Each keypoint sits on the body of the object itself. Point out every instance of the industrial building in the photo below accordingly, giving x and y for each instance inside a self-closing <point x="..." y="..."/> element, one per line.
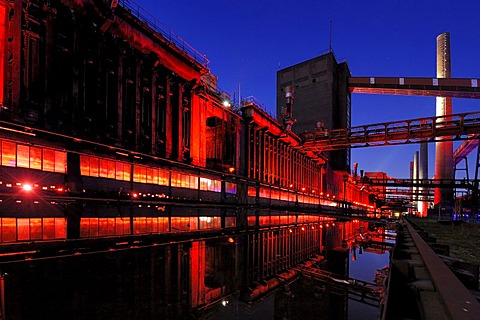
<point x="322" y="100"/>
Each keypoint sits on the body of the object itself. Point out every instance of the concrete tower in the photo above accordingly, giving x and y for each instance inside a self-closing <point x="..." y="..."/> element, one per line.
<point x="443" y="150"/>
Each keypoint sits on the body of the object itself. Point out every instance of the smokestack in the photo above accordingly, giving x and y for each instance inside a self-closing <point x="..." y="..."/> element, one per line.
<point x="423" y="174"/>
<point x="443" y="150"/>
<point x="415" y="175"/>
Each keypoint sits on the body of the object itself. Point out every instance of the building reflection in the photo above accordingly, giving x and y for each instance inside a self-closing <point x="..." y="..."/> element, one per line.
<point x="193" y="263"/>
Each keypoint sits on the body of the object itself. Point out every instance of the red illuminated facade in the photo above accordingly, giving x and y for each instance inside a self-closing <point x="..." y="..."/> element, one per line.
<point x="99" y="105"/>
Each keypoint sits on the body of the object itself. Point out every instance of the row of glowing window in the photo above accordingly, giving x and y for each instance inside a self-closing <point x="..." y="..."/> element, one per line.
<point x="105" y="168"/>
<point x="34" y="229"/>
<point x="102" y="227"/>
<point x="287" y="196"/>
<point x="31" y="229"/>
<point x="22" y="156"/>
<point x="283" y="219"/>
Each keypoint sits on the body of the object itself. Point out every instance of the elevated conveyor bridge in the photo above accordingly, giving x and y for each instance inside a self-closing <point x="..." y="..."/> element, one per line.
<point x="433" y="87"/>
<point x="461" y="126"/>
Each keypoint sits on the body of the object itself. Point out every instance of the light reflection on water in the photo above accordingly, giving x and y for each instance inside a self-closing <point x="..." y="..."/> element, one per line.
<point x="363" y="267"/>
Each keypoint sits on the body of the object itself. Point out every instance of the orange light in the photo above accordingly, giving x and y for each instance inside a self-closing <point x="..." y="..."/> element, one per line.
<point x="135" y="195"/>
<point x="231" y="169"/>
<point x="27" y="187"/>
<point x="303" y="189"/>
<point x="313" y="227"/>
<point x="303" y="228"/>
<point x="230" y="240"/>
<point x="333" y="224"/>
<point x="328" y="225"/>
<point x="321" y="226"/>
<point x="313" y="191"/>
<point x="290" y="230"/>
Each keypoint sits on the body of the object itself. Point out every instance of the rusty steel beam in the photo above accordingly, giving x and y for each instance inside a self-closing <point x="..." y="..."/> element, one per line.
<point x="432" y="87"/>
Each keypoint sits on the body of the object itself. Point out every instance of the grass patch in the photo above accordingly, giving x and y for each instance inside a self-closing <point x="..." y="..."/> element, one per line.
<point x="462" y="238"/>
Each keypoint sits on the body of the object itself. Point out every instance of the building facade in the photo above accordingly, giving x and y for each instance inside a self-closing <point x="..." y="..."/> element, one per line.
<point x="322" y="99"/>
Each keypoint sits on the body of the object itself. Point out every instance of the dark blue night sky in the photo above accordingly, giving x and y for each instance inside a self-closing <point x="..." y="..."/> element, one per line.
<point x="248" y="41"/>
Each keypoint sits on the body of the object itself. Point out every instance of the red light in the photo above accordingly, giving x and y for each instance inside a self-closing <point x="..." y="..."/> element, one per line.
<point x="60" y="189"/>
<point x="135" y="195"/>
<point x="303" y="189"/>
<point x="328" y="225"/>
<point x="27" y="187"/>
<point x="291" y="185"/>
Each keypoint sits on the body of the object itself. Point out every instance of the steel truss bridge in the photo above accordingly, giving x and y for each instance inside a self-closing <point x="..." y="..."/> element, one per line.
<point x="460" y="126"/>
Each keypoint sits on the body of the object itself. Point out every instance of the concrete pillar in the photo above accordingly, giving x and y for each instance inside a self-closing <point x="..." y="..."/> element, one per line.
<point x="444" y="150"/>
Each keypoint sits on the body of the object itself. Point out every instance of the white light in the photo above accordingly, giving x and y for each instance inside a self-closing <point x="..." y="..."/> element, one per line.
<point x="226" y="103"/>
<point x="224" y="303"/>
<point x="27" y="187"/>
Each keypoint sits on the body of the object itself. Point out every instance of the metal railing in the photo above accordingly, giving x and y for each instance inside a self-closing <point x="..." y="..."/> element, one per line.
<point x="153" y="23"/>
<point x="260" y="104"/>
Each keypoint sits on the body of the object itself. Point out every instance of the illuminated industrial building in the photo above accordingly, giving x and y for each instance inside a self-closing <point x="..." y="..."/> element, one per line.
<point x="99" y="104"/>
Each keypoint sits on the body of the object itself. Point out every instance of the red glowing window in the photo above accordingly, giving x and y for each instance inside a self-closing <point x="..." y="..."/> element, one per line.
<point x="84" y="227"/>
<point x="111" y="169"/>
<point x="23" y="229"/>
<point x="119" y="170"/>
<point x="122" y="226"/>
<point x="155" y="177"/>
<point x="48" y="160"/>
<point x="9" y="229"/>
<point x="36" y="229"/>
<point x="60" y="228"/>
<point x="149" y="175"/>
<point x="94" y="167"/>
<point x="93" y="227"/>
<point x="48" y="228"/>
<point x="127" y="168"/>
<point x="60" y="161"/>
<point x="139" y="225"/>
<point x="103" y="227"/>
<point x="103" y="168"/>
<point x="162" y="224"/>
<point x="163" y="177"/>
<point x="35" y="158"/>
<point x="23" y="157"/>
<point x="84" y="165"/>
<point x="9" y="154"/>
<point x="139" y="174"/>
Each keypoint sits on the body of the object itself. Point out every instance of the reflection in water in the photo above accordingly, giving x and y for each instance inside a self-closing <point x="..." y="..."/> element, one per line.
<point x="304" y="299"/>
<point x="244" y="273"/>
